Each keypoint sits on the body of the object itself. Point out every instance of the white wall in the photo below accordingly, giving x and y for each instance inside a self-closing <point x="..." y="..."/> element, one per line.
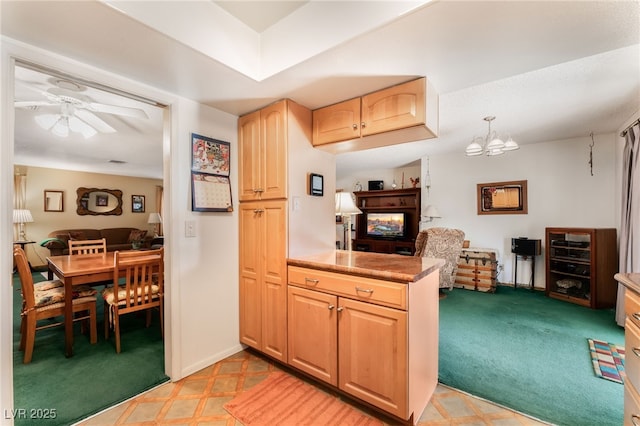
<point x="310" y="217"/>
<point x="561" y="193"/>
<point x="204" y="281"/>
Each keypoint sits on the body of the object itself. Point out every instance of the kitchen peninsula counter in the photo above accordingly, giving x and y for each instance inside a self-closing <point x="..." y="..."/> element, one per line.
<point x="392" y="267"/>
<point x="353" y="313"/>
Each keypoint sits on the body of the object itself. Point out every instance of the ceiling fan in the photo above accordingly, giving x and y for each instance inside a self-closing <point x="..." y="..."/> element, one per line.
<point x="76" y="111"/>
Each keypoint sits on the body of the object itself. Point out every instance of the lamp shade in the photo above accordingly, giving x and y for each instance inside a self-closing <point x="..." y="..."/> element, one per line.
<point x="154" y="218"/>
<point x="431" y="211"/>
<point x="22" y="216"/>
<point x="345" y="205"/>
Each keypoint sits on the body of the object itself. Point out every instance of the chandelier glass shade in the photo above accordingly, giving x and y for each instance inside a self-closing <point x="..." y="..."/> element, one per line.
<point x="491" y="144"/>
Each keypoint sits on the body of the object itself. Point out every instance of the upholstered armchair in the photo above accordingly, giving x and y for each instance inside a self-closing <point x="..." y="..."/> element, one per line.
<point x="442" y="243"/>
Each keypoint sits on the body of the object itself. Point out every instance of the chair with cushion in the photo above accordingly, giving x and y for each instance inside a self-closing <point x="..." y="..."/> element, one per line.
<point x="45" y="300"/>
<point x="138" y="285"/>
<point x="442" y="243"/>
<point x="87" y="246"/>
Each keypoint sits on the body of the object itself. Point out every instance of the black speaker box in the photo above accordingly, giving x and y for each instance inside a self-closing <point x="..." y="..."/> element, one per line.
<point x="525" y="247"/>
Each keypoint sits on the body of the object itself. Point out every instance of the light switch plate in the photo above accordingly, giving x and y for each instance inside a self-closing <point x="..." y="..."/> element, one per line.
<point x="190" y="228"/>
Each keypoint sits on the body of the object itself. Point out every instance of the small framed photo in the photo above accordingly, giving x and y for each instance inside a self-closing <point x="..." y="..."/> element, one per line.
<point x="137" y="203"/>
<point x="316" y="184"/>
<point x="102" y="200"/>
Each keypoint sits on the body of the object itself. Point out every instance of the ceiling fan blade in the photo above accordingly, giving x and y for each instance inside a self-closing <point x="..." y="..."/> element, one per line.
<point x="47" y="121"/>
<point x="32" y="104"/>
<point x="118" y="110"/>
<point x="94" y="121"/>
<point x="79" y="126"/>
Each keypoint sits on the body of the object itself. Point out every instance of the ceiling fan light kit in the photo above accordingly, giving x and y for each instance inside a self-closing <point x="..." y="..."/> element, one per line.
<point x="77" y="112"/>
<point x="491" y="145"/>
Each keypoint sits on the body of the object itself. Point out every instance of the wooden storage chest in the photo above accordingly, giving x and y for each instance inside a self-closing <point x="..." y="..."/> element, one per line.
<point x="477" y="270"/>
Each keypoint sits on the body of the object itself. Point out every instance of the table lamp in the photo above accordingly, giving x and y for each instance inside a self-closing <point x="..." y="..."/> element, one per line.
<point x="155" y="219"/>
<point x="346" y="207"/>
<point x="22" y="216"/>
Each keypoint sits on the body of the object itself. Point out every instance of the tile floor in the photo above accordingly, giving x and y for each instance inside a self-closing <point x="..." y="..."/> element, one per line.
<point x="197" y="400"/>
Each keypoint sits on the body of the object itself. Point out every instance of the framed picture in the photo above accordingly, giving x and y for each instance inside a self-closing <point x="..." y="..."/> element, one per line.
<point x="502" y="197"/>
<point x="210" y="155"/>
<point x="102" y="200"/>
<point x="53" y="201"/>
<point x="137" y="203"/>
<point x="316" y="184"/>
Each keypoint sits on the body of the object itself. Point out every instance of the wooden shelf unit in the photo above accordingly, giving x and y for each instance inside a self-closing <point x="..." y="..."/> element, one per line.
<point x="580" y="265"/>
<point x="383" y="201"/>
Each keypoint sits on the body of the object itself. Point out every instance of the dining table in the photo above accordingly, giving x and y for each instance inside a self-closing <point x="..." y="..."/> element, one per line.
<point x="77" y="270"/>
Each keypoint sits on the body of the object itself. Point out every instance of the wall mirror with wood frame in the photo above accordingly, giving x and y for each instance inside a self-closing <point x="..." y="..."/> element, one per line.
<point x="502" y="197"/>
<point x="94" y="201"/>
<point x="53" y="200"/>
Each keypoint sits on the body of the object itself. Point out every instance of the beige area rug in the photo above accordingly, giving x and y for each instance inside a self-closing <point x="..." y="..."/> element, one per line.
<point x="282" y="399"/>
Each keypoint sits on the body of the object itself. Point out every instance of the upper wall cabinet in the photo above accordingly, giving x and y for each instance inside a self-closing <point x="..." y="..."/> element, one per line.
<point x="398" y="114"/>
<point x="262" y="138"/>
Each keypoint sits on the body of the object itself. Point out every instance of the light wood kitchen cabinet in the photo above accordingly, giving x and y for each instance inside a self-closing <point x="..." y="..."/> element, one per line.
<point x="353" y="333"/>
<point x="404" y="106"/>
<point x="338" y="122"/>
<point x="372" y="355"/>
<point x="262" y="140"/>
<point x="631" y="281"/>
<point x="313" y="333"/>
<point x="263" y="277"/>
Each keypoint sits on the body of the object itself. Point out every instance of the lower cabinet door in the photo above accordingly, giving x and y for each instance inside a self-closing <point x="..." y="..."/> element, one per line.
<point x="312" y="333"/>
<point x="631" y="406"/>
<point x="373" y="356"/>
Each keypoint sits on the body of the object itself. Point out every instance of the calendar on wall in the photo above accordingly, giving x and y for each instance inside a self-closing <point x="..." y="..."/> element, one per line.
<point x="210" y="184"/>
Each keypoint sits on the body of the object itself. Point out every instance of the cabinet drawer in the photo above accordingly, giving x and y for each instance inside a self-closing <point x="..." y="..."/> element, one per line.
<point x="632" y="306"/>
<point x="631" y="406"/>
<point x="366" y="289"/>
<point x="632" y="352"/>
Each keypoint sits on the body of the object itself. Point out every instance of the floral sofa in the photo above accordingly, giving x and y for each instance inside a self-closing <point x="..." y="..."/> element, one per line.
<point x="117" y="238"/>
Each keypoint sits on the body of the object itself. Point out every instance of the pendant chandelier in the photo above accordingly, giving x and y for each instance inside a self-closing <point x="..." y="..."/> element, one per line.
<point x="491" y="144"/>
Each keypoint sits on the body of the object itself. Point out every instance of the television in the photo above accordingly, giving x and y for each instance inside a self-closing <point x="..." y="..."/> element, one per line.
<point x="386" y="225"/>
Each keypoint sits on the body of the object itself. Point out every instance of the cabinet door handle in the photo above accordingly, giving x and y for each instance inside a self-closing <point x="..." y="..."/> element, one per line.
<point x="636" y="316"/>
<point x="259" y="190"/>
<point x="331" y="307"/>
<point x="635" y="419"/>
<point x="636" y="351"/>
<point x="363" y="124"/>
<point x="258" y="211"/>
<point x="355" y="126"/>
<point x="340" y="309"/>
<point x="364" y="290"/>
<point x="311" y="281"/>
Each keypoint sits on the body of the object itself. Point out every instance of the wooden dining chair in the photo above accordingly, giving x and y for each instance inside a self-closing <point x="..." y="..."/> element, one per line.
<point x="138" y="284"/>
<point x="87" y="246"/>
<point x="45" y="300"/>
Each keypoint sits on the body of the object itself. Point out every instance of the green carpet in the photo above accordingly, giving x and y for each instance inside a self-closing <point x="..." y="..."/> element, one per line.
<point x="529" y="352"/>
<point x="94" y="378"/>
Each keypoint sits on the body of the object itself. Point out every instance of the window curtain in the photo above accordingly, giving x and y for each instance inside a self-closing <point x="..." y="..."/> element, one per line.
<point x="19" y="198"/>
<point x="630" y="222"/>
<point x="159" y="203"/>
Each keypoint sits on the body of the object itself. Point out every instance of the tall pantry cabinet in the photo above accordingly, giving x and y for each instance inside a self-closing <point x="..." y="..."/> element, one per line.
<point x="268" y="139"/>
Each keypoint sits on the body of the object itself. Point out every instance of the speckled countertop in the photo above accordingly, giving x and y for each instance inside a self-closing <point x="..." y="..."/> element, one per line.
<point x="630" y="280"/>
<point x="390" y="267"/>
